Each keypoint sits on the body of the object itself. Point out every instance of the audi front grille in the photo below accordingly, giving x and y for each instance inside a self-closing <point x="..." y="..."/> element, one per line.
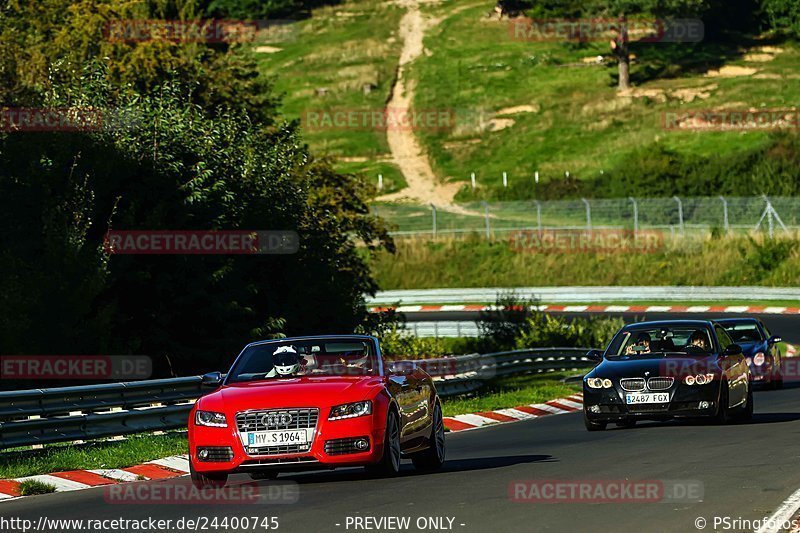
<point x="271" y="420"/>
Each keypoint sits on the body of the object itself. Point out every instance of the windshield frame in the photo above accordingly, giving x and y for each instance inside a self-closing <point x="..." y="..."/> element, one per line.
<point x="374" y="346"/>
<point x="614" y="351"/>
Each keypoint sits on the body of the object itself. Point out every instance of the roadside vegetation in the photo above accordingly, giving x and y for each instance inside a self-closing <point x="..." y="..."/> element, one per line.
<point x="475" y="262"/>
<point x="197" y="144"/>
<point x="32" y="487"/>
<point x="131" y="451"/>
<point x="512" y="391"/>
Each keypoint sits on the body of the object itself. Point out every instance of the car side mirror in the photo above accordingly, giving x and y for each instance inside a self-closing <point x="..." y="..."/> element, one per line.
<point x="596" y="356"/>
<point x="732" y="349"/>
<point x="774" y="340"/>
<point x="402" y="368"/>
<point x="212" y="379"/>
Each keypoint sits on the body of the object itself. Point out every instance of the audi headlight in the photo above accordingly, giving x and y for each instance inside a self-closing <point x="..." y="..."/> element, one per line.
<point x="211" y="419"/>
<point x="351" y="410"/>
<point x="759" y="359"/>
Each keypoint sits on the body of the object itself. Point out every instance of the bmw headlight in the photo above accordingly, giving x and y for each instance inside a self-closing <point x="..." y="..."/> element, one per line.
<point x="351" y="410"/>
<point x="211" y="419"/>
<point x="598" y="383"/>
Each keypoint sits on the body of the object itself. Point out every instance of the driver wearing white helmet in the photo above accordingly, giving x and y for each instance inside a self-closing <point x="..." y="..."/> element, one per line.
<point x="285" y="363"/>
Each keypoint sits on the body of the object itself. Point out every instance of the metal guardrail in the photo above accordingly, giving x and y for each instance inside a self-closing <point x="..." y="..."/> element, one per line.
<point x="453" y="329"/>
<point x="585" y="294"/>
<point x="41" y="416"/>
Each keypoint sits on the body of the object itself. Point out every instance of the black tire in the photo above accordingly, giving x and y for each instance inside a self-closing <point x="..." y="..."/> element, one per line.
<point x="746" y="414"/>
<point x="593" y="426"/>
<point x="389" y="464"/>
<point x="433" y="457"/>
<point x="268" y="474"/>
<point x="202" y="481"/>
<point x="723" y="415"/>
<point x="629" y="423"/>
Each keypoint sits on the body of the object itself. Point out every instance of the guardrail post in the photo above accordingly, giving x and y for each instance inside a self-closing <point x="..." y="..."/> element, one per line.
<point x="588" y="214"/>
<point x="725" y="214"/>
<point x="472" y="178"/>
<point x="505" y="179"/>
<point x="680" y="214"/>
<point x="487" y="222"/>
<point x="635" y="217"/>
<point x="538" y="216"/>
<point x="433" y="211"/>
<point x="380" y="182"/>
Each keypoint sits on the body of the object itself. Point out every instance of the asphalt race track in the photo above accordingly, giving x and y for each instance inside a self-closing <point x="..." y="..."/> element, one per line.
<point x="787" y="326"/>
<point x="744" y="471"/>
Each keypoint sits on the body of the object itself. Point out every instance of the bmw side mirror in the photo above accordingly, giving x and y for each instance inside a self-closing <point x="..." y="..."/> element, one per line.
<point x="212" y="379"/>
<point x="596" y="356"/>
<point x="733" y="349"/>
<point x="774" y="339"/>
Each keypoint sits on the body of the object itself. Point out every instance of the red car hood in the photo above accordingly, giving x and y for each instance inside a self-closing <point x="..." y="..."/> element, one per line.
<point x="314" y="391"/>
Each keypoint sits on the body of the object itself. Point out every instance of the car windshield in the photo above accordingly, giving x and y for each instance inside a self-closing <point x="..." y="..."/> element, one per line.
<point x="643" y="342"/>
<point x="290" y="359"/>
<point x="744" y="332"/>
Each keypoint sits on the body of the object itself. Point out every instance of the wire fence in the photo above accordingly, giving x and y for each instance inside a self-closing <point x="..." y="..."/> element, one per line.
<point x="772" y="216"/>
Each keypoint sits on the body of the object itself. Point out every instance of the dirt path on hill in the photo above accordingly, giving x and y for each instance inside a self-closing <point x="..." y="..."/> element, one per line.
<point x="422" y="184"/>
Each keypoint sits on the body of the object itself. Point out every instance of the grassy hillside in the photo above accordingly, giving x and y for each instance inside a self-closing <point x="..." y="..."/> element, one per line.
<point x="323" y="63"/>
<point x="520" y="106"/>
<point x="574" y="120"/>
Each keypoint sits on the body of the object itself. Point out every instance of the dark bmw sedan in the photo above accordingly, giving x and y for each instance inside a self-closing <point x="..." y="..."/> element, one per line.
<point x="760" y="349"/>
<point x="668" y="369"/>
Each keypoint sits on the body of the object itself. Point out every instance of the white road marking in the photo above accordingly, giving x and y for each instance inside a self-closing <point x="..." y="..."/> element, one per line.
<point x="737" y="309"/>
<point x="513" y="413"/>
<point x="474" y="420"/>
<point x="116" y="474"/>
<point x="176" y="462"/>
<point x="570" y="403"/>
<point x="549" y="408"/>
<point x="784" y="514"/>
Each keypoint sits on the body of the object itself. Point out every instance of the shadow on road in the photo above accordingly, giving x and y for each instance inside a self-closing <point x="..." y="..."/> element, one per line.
<point x="407" y="470"/>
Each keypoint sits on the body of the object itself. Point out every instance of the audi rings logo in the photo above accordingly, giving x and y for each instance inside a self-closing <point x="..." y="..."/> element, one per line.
<point x="277" y="419"/>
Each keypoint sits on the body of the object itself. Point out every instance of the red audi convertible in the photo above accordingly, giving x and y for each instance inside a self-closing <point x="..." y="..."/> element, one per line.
<point x="314" y="402"/>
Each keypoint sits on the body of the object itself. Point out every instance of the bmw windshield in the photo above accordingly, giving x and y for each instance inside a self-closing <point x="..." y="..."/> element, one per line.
<point x="323" y="357"/>
<point x="646" y="342"/>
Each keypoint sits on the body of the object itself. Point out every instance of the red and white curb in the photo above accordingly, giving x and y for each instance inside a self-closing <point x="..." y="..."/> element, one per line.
<point x="732" y="309"/>
<point x="523" y="412"/>
<point x="166" y="468"/>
